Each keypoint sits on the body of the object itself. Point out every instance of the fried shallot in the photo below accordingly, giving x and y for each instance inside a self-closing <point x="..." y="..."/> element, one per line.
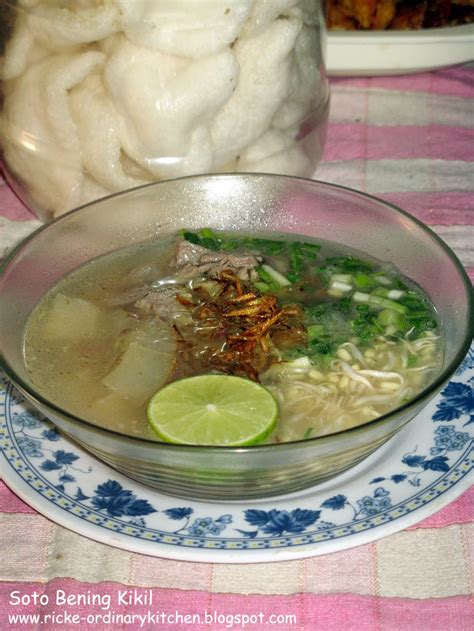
<point x="244" y="322"/>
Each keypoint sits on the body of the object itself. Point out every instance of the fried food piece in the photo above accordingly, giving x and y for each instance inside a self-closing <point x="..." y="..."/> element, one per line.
<point x="362" y="10"/>
<point x="384" y="14"/>
<point x="361" y="14"/>
<point x="338" y="19"/>
<point x="410" y="16"/>
<point x="398" y="14"/>
<point x="437" y="13"/>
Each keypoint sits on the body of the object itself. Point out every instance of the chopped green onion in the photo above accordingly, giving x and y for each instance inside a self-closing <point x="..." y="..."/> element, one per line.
<point x="267" y="279"/>
<point x="399" y="284"/>
<point x="315" y="330"/>
<point x="266" y="246"/>
<point x="389" y="317"/>
<point x="383" y="280"/>
<point x="359" y="296"/>
<point x="296" y="259"/>
<point x="395" y="294"/>
<point x="207" y="233"/>
<point x="362" y="281"/>
<point x="191" y="237"/>
<point x="335" y="293"/>
<point x="344" y="305"/>
<point x="310" y="250"/>
<point x="262" y="286"/>
<point x="422" y="322"/>
<point x="343" y="278"/>
<point x="349" y="264"/>
<point x="386" y="303"/>
<point x="366" y="326"/>
<point x="209" y="239"/>
<point x="380" y="291"/>
<point x="276" y="276"/>
<point x="323" y="348"/>
<point x="344" y="287"/>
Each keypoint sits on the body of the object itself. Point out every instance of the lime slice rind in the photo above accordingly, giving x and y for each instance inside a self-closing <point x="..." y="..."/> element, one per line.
<point x="213" y="410"/>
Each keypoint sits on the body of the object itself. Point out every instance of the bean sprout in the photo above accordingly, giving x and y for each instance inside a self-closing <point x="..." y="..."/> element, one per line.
<point x="381" y="374"/>
<point x="355" y="351"/>
<point x="354" y="375"/>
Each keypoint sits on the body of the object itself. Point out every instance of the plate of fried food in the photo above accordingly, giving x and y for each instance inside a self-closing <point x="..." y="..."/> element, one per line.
<point x="381" y="37"/>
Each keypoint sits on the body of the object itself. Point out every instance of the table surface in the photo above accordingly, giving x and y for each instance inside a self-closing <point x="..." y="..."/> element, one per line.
<point x="410" y="141"/>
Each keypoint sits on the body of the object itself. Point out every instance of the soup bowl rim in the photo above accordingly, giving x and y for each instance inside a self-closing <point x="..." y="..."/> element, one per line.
<point x="421" y="399"/>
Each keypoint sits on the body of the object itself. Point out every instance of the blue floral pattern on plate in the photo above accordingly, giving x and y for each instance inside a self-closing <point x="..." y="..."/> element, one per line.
<point x="430" y="460"/>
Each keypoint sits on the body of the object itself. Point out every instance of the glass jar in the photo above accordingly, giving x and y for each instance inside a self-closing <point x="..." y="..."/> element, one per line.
<point x="112" y="94"/>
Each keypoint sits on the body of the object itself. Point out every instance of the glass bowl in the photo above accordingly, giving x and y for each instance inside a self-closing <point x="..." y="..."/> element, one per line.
<point x="102" y="96"/>
<point x="249" y="203"/>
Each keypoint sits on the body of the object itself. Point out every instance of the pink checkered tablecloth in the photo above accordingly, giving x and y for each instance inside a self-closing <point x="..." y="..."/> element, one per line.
<point x="408" y="140"/>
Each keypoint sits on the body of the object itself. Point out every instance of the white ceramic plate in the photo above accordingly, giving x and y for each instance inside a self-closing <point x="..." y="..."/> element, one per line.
<point x="398" y="52"/>
<point x="423" y="468"/>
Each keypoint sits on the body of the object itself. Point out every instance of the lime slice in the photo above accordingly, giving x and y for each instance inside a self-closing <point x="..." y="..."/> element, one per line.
<point x="214" y="410"/>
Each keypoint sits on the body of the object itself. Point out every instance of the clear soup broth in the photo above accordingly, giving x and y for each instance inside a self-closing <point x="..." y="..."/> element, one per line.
<point x="337" y="337"/>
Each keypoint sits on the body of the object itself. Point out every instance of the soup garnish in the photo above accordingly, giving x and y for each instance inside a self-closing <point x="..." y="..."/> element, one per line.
<point x="337" y="338"/>
<point x="213" y="410"/>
